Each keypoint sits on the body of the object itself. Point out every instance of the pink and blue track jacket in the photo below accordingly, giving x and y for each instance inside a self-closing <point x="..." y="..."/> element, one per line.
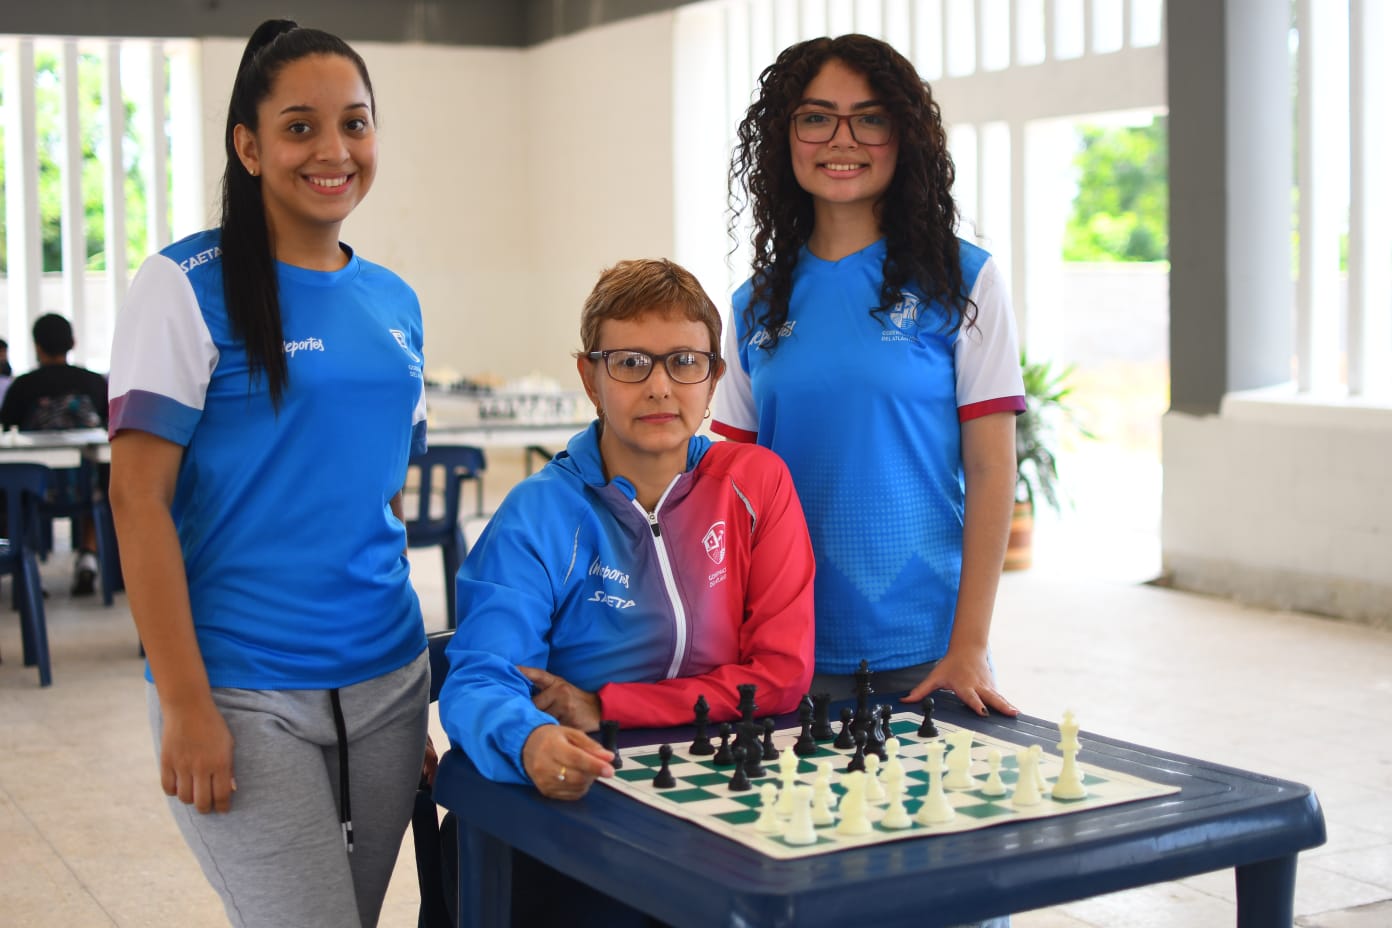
<point x="712" y="590"/>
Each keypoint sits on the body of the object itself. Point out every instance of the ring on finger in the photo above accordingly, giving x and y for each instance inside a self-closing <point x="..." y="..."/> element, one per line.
<point x="561" y="775"/>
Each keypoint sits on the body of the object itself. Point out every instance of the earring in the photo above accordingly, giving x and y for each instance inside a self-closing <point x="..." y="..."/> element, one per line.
<point x="707" y="415"/>
<point x="252" y="172"/>
<point x="599" y="413"/>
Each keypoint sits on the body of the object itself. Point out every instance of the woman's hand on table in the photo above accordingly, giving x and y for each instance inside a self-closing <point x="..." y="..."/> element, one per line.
<point x="970" y="678"/>
<point x="566" y="703"/>
<point x="563" y="761"/>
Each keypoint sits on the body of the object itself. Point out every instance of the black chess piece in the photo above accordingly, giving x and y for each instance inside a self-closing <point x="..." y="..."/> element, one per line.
<point x="927" y="729"/>
<point x="821" y="717"/>
<point x="806" y="745"/>
<point x="863" y="690"/>
<point x="702" y="745"/>
<point x="887" y="716"/>
<point x="609" y="737"/>
<point x="664" y="778"/>
<point x="770" y="752"/>
<point x="753" y="754"/>
<point x="747" y="706"/>
<point x="845" y="740"/>
<point x="858" y="758"/>
<point x="739" y="782"/>
<point x="723" y="757"/>
<point x="876" y="732"/>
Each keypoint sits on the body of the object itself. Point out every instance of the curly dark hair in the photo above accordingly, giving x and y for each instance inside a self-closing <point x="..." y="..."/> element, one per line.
<point x="917" y="214"/>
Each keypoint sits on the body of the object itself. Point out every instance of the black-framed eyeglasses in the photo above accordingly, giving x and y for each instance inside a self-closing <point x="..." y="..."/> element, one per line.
<point x="629" y="365"/>
<point x="866" y="128"/>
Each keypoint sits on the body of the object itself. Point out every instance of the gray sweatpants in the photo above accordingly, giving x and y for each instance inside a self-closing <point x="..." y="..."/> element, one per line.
<point x="278" y="857"/>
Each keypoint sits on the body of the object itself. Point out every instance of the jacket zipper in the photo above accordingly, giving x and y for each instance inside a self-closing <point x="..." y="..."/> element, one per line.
<point x="669" y="580"/>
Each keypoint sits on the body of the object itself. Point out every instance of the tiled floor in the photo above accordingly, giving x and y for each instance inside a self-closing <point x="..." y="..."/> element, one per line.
<point x="85" y="839"/>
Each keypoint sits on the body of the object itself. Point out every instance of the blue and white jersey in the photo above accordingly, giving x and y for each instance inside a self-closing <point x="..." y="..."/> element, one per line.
<point x="296" y="568"/>
<point x="866" y="410"/>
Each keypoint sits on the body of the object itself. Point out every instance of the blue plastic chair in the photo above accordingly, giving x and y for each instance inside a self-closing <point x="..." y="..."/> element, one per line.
<point x="81" y="494"/>
<point x="23" y="488"/>
<point x="446" y="467"/>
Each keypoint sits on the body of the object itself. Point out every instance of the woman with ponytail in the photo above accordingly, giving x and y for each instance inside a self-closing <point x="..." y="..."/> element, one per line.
<point x="266" y="395"/>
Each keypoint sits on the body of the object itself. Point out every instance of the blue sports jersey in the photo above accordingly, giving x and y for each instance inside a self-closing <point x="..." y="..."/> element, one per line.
<point x="866" y="411"/>
<point x="296" y="568"/>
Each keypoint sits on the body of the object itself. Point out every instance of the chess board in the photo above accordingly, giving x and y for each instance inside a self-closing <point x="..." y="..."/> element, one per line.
<point x="701" y="794"/>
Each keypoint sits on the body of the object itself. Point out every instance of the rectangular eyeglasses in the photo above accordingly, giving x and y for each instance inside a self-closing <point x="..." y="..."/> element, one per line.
<point x="628" y="365"/>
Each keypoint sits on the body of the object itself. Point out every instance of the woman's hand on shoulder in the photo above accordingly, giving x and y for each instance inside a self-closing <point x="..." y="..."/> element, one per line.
<point x="563" y="762"/>
<point x="567" y="703"/>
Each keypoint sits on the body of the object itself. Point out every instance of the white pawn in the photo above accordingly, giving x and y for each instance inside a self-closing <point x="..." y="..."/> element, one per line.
<point x="768" y="823"/>
<point x="823" y="782"/>
<point x="787" y="773"/>
<point x="853" y="818"/>
<point x="874" y="789"/>
<point x="896" y="816"/>
<point x="1026" y="783"/>
<point x="893" y="763"/>
<point x="994" y="785"/>
<point x="935" y="809"/>
<point x="823" y="801"/>
<point x="959" y="761"/>
<point x="800" y="827"/>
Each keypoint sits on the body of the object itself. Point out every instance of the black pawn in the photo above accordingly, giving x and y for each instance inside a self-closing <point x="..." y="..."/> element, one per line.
<point x="740" y="781"/>
<point x="821" y="717"/>
<point x="609" y="737"/>
<point x="858" y="759"/>
<point x="927" y="729"/>
<point x="806" y="745"/>
<point x="845" y="740"/>
<point x="664" y="778"/>
<point x="753" y="756"/>
<point x="770" y="752"/>
<point x="702" y="745"/>
<point x="723" y="757"/>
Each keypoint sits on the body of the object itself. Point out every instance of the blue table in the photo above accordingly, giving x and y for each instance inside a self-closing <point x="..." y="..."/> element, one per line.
<point x="689" y="876"/>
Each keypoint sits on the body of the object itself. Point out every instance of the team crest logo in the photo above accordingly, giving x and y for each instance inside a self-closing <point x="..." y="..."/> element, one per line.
<point x="904" y="315"/>
<point x="400" y="337"/>
<point x="714" y="542"/>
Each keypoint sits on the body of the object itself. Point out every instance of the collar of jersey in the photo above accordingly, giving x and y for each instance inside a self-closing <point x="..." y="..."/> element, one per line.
<point x="874" y="252"/>
<point x="304" y="275"/>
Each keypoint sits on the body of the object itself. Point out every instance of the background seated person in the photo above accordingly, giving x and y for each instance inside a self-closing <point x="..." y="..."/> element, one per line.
<point x="59" y="395"/>
<point x="643" y="567"/>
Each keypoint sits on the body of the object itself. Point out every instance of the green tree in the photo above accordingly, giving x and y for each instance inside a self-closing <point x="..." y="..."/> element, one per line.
<point x="48" y="123"/>
<point x="1121" y="212"/>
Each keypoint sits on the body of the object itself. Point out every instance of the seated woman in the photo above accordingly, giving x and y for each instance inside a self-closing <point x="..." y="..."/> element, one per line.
<point x="643" y="567"/>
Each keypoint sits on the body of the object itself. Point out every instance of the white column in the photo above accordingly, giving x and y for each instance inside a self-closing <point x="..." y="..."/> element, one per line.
<point x="74" y="230"/>
<point x="157" y="164"/>
<point x="114" y="179"/>
<point x="186" y="141"/>
<point x="1370" y="227"/>
<point x="23" y="242"/>
<point x="1320" y="96"/>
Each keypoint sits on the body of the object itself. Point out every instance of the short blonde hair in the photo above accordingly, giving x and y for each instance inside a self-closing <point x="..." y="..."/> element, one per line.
<point x="631" y="289"/>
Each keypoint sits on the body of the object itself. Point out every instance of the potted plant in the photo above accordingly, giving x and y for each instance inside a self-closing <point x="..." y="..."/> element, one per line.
<point x="1036" y="464"/>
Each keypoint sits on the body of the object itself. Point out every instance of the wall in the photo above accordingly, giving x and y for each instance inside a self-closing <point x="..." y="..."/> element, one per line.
<point x="1282" y="503"/>
<point x="508" y="179"/>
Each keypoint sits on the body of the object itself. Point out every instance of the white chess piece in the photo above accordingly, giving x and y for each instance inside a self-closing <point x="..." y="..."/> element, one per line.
<point x="823" y="801"/>
<point x="874" y="789"/>
<point x="1026" y="783"/>
<point x="1069" y="784"/>
<point x="896" y="816"/>
<point x="853" y="818"/>
<point x="935" y="809"/>
<point x="893" y="763"/>
<point x="767" y="823"/>
<point x="824" y="770"/>
<point x="1039" y="781"/>
<point x="959" y="761"/>
<point x="787" y="774"/>
<point x="994" y="785"/>
<point x="800" y="827"/>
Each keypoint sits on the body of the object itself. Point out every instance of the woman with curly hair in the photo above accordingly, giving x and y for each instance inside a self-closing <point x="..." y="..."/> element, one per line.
<point x="876" y="353"/>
